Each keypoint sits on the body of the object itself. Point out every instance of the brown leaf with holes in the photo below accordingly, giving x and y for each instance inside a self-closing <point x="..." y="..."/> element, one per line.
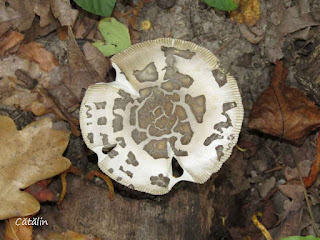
<point x="28" y="156"/>
<point x="36" y="52"/>
<point x="284" y="112"/>
<point x="18" y="231"/>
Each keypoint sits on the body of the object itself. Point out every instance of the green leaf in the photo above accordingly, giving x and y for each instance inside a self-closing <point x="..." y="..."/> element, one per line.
<point x="116" y="35"/>
<point x="98" y="7"/>
<point x="224" y="5"/>
<point x="301" y="238"/>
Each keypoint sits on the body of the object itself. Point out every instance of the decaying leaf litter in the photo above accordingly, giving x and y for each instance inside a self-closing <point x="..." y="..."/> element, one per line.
<point x="259" y="177"/>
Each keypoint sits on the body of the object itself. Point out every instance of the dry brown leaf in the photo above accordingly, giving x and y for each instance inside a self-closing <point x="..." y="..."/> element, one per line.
<point x="87" y="27"/>
<point x="62" y="10"/>
<point x="291" y="226"/>
<point x="281" y="23"/>
<point x="284" y="112"/>
<point x="70" y="235"/>
<point x="28" y="156"/>
<point x="46" y="104"/>
<point x="82" y="73"/>
<point x="20" y="97"/>
<point x="9" y="41"/>
<point x="25" y="8"/>
<point x="36" y="52"/>
<point x="43" y="10"/>
<point x="97" y="60"/>
<point x="248" y="12"/>
<point x="15" y="231"/>
<point x="68" y="82"/>
<point x="12" y="90"/>
<point x="295" y="20"/>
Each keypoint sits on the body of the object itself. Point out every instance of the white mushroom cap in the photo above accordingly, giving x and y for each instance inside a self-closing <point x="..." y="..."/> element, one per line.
<point x="170" y="99"/>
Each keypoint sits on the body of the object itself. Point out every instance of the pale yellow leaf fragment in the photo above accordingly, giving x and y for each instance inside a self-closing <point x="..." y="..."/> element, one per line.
<point x="26" y="157"/>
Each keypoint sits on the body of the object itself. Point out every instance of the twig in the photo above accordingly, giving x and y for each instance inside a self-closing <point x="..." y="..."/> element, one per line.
<point x="262" y="228"/>
<point x="307" y="199"/>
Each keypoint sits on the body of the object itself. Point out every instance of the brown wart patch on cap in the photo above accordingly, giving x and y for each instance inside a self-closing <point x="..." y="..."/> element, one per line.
<point x="113" y="153"/>
<point x="187" y="54"/>
<point x="138" y="136"/>
<point x="160" y="180"/>
<point x="185" y="129"/>
<point x="145" y="93"/>
<point x="102" y="121"/>
<point x="157" y="148"/>
<point x="105" y="140"/>
<point x="133" y="115"/>
<point x="175" y="79"/>
<point x="122" y="102"/>
<point x="118" y="179"/>
<point x="117" y="123"/>
<point x="197" y="106"/>
<point x="121" y="142"/>
<point x="132" y="159"/>
<point x="90" y="137"/>
<point x="180" y="112"/>
<point x="212" y="138"/>
<point x="100" y="105"/>
<point x="229" y="105"/>
<point x="154" y="131"/>
<point x="219" y="77"/>
<point x="219" y="150"/>
<point x="228" y="123"/>
<point x="130" y="174"/>
<point x="89" y="115"/>
<point x="148" y="74"/>
<point x="177" y="152"/>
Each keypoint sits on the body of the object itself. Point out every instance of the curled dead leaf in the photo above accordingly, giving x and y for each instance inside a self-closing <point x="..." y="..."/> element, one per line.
<point x="284" y="112"/>
<point x="9" y="41"/>
<point x="36" y="52"/>
<point x="28" y="156"/>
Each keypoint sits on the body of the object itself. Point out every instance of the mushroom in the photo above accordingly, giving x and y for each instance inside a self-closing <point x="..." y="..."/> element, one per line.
<point x="170" y="100"/>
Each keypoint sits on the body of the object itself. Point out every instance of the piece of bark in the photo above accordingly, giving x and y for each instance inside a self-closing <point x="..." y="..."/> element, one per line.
<point x="308" y="75"/>
<point x="184" y="213"/>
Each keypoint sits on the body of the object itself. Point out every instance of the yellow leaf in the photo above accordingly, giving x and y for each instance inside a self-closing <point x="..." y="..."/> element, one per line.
<point x="248" y="12"/>
<point x="26" y="157"/>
